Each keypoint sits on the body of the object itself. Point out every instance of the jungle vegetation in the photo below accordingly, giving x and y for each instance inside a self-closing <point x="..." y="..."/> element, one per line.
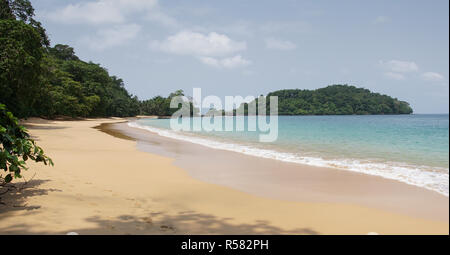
<point x="335" y="100"/>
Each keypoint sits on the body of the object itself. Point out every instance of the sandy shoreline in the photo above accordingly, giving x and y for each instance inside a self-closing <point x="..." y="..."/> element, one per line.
<point x="288" y="181"/>
<point x="102" y="184"/>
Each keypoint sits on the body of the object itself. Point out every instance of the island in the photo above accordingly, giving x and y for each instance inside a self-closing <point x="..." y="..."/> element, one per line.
<point x="334" y="100"/>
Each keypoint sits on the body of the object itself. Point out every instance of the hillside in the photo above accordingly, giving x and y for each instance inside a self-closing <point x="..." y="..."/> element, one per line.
<point x="39" y="80"/>
<point x="337" y="100"/>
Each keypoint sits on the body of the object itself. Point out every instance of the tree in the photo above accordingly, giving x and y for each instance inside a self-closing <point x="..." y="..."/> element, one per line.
<point x="160" y="106"/>
<point x="5" y="10"/>
<point x="21" y="54"/>
<point x="76" y="88"/>
<point x="63" y="52"/>
<point x="16" y="147"/>
<point x="23" y="10"/>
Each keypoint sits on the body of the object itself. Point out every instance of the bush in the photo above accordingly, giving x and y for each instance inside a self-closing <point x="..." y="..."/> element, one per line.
<point x="16" y="147"/>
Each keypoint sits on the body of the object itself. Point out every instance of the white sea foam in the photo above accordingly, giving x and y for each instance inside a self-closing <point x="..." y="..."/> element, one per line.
<point x="435" y="178"/>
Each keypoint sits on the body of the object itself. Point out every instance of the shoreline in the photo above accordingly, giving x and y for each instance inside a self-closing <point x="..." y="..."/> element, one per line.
<point x="106" y="185"/>
<point x="288" y="181"/>
<point x="431" y="177"/>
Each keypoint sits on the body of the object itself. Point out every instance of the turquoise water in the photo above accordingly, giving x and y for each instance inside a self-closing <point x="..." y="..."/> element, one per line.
<point x="408" y="148"/>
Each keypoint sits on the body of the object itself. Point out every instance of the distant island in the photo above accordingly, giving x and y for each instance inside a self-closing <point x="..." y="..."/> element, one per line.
<point x="335" y="100"/>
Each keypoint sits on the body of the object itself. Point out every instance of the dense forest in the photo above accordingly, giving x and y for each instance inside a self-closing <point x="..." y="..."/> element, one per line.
<point x="39" y="80"/>
<point x="76" y="88"/>
<point x="335" y="100"/>
<point x="160" y="106"/>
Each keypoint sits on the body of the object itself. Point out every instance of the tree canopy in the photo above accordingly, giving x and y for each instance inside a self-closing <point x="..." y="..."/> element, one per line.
<point x="22" y="10"/>
<point x="21" y="55"/>
<point x="76" y="88"/>
<point x="39" y="80"/>
<point x="160" y="106"/>
<point x="335" y="100"/>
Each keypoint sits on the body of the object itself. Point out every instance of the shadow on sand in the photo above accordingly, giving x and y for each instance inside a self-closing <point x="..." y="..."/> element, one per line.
<point x="187" y="222"/>
<point x="13" y="196"/>
<point x="181" y="224"/>
<point x="31" y="127"/>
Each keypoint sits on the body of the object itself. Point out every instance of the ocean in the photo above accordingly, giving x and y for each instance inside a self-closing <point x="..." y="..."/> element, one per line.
<point x="413" y="149"/>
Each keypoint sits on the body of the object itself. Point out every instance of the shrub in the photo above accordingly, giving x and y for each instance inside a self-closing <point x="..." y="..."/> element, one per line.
<point x="16" y="147"/>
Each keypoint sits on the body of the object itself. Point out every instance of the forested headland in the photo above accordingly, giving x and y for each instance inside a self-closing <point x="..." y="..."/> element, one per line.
<point x="334" y="100"/>
<point x="39" y="80"/>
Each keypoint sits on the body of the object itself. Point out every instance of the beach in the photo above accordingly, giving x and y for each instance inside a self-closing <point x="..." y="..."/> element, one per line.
<point x="110" y="178"/>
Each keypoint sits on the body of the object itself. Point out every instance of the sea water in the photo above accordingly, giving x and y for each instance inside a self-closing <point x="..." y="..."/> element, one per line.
<point x="409" y="148"/>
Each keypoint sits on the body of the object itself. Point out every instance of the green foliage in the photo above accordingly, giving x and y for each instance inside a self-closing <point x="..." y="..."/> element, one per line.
<point x="63" y="52"/>
<point x="336" y="100"/>
<point x="16" y="147"/>
<point x="5" y="10"/>
<point x="38" y="80"/>
<point x="80" y="89"/>
<point x="160" y="106"/>
<point x="22" y="10"/>
<point x="21" y="54"/>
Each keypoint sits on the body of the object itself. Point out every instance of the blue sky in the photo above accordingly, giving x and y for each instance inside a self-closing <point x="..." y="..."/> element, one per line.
<point x="238" y="47"/>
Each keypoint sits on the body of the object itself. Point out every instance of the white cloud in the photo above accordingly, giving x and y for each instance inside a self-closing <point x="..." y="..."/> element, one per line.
<point x="381" y="19"/>
<point x="91" y="12"/>
<point x="432" y="76"/>
<point x="229" y="63"/>
<point x="211" y="49"/>
<point x="395" y="76"/>
<point x="100" y="11"/>
<point x="112" y="37"/>
<point x="399" y="66"/>
<point x="197" y="44"/>
<point x="275" y="44"/>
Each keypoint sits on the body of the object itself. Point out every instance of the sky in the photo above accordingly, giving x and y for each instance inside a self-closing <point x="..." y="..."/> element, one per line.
<point x="242" y="47"/>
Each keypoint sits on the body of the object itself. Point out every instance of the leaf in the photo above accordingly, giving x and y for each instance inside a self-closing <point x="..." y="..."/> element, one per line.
<point x="13" y="168"/>
<point x="8" y="178"/>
